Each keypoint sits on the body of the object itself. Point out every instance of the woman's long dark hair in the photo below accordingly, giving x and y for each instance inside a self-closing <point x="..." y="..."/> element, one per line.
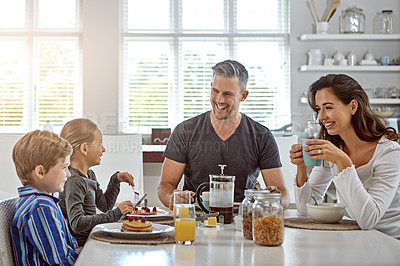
<point x="367" y="125"/>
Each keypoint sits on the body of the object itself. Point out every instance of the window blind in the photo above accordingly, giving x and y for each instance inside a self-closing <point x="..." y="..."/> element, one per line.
<point x="40" y="66"/>
<point x="12" y="84"/>
<point x="166" y="67"/>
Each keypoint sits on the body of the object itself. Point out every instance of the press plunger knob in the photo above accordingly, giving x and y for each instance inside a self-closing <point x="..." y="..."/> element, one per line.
<point x="222" y="168"/>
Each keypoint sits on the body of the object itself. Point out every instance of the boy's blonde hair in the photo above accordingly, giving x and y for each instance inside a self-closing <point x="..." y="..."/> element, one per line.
<point x="38" y="148"/>
<point x="79" y="131"/>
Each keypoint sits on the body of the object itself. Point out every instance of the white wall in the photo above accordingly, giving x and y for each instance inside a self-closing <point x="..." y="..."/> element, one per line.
<point x="100" y="62"/>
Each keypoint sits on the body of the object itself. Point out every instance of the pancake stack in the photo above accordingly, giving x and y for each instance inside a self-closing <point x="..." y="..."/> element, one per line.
<point x="145" y="211"/>
<point x="137" y="225"/>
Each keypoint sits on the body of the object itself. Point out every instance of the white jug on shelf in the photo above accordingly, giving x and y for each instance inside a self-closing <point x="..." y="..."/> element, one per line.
<point x="316" y="57"/>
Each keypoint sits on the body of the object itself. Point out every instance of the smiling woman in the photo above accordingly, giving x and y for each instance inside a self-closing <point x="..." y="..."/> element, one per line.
<point x="360" y="154"/>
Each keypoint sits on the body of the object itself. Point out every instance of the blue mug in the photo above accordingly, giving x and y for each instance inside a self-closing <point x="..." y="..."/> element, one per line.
<point x="307" y="158"/>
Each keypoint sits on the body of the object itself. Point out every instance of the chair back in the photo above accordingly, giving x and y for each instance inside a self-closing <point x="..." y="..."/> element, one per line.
<point x="7" y="211"/>
<point x="289" y="170"/>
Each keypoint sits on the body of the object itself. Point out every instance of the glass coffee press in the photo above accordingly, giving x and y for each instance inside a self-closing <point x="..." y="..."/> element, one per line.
<point x="222" y="189"/>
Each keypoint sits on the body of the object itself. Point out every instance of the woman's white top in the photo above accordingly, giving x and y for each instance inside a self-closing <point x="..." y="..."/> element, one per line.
<point x="371" y="192"/>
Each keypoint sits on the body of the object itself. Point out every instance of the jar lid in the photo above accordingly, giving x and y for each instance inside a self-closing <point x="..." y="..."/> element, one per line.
<point x="353" y="8"/>
<point x="387" y="11"/>
<point x="268" y="196"/>
<point x="252" y="192"/>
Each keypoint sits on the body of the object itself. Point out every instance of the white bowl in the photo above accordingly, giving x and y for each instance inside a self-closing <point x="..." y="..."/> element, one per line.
<point x="329" y="213"/>
<point x="384" y="111"/>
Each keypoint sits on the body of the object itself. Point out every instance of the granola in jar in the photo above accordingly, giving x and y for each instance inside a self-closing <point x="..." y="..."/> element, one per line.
<point x="246" y="211"/>
<point x="268" y="220"/>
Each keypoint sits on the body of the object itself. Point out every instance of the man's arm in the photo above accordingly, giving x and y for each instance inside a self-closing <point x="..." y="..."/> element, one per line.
<point x="274" y="177"/>
<point x="171" y="174"/>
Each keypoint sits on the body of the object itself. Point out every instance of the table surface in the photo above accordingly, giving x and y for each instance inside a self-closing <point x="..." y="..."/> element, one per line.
<point x="226" y="246"/>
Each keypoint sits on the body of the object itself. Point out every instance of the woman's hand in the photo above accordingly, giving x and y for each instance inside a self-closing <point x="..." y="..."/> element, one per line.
<point x="325" y="150"/>
<point x="125" y="207"/>
<point x="126" y="177"/>
<point x="296" y="155"/>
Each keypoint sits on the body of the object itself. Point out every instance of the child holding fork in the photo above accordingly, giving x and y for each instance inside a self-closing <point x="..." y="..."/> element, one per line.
<point x="82" y="193"/>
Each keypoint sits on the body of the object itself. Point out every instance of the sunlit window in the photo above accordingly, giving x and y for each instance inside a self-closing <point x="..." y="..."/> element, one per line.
<point x="169" y="47"/>
<point x="40" y="66"/>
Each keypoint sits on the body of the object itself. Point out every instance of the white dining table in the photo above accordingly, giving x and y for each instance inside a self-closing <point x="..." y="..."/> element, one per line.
<point x="227" y="246"/>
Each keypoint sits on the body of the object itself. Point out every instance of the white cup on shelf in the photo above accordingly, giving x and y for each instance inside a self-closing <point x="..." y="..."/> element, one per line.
<point x="343" y="62"/>
<point x="329" y="61"/>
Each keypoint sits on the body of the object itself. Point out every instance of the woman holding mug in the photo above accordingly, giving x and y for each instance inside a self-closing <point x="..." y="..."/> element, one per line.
<point x="361" y="156"/>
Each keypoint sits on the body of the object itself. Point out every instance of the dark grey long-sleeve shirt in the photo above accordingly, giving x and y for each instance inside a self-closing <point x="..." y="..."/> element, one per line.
<point x="80" y="198"/>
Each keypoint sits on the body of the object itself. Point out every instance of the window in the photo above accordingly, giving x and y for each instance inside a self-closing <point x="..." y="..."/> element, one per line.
<point x="169" y="47"/>
<point x="40" y="65"/>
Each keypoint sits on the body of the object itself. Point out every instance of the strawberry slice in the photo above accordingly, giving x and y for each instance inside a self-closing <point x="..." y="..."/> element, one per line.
<point x="130" y="218"/>
<point x="143" y="220"/>
<point x="155" y="209"/>
<point x="136" y="218"/>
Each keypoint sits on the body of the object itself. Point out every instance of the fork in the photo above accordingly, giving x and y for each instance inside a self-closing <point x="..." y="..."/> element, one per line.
<point x="136" y="194"/>
<point x="135" y="199"/>
<point x="253" y="180"/>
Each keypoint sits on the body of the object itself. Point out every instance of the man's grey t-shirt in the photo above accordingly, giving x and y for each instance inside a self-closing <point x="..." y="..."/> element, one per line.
<point x="195" y="143"/>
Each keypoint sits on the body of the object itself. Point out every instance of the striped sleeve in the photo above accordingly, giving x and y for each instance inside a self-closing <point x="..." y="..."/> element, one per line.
<point x="46" y="234"/>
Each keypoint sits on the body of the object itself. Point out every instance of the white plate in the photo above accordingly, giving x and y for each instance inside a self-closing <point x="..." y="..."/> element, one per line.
<point x="211" y="226"/>
<point x="114" y="229"/>
<point x="368" y="63"/>
<point x="160" y="214"/>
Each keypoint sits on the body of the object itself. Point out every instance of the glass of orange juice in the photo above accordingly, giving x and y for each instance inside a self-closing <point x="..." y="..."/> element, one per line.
<point x="181" y="197"/>
<point x="185" y="224"/>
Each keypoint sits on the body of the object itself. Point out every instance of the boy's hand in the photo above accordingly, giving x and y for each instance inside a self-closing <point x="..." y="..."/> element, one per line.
<point x="126" y="207"/>
<point x="126" y="177"/>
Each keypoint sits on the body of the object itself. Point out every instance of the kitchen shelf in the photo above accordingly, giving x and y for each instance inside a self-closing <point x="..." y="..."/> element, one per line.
<point x="350" y="68"/>
<point x="376" y="101"/>
<point x="350" y="37"/>
<point x="384" y="101"/>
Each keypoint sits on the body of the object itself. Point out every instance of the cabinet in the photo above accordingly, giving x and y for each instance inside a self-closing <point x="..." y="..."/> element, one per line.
<point x="357" y="68"/>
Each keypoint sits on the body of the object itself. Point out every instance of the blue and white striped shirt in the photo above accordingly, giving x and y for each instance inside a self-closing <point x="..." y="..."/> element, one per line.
<point x="39" y="231"/>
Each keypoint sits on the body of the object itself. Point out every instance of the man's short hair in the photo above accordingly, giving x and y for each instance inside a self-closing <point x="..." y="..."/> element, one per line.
<point x="231" y="69"/>
<point x="38" y="148"/>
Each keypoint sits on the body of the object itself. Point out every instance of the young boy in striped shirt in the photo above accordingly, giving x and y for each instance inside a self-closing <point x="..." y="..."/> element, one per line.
<point x="39" y="231"/>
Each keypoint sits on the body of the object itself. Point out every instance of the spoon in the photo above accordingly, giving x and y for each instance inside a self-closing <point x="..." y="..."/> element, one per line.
<point x="315" y="10"/>
<point x="253" y="180"/>
<point x="334" y="6"/>
<point x="316" y="203"/>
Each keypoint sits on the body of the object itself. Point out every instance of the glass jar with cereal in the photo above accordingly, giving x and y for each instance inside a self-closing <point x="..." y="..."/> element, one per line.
<point x="267" y="219"/>
<point x="246" y="211"/>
